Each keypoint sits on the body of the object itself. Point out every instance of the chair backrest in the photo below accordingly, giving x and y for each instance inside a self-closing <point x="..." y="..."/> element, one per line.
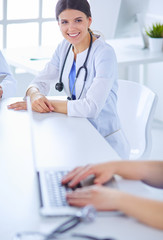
<point x="136" y="105"/>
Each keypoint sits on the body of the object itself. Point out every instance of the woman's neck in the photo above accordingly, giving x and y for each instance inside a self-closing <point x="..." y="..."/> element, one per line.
<point x="82" y="47"/>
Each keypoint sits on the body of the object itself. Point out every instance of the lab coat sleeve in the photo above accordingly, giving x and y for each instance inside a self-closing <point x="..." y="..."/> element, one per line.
<point x="48" y="76"/>
<point x="90" y="106"/>
<point x="9" y="83"/>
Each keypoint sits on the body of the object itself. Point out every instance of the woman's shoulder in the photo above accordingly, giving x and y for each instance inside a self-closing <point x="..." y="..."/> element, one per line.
<point x="64" y="43"/>
<point x="101" y="47"/>
<point x="60" y="50"/>
<point x="62" y="46"/>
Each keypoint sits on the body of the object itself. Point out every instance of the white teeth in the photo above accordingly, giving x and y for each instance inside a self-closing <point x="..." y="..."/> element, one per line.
<point x="73" y="35"/>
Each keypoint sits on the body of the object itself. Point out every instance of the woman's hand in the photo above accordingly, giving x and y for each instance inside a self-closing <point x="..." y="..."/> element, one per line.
<point x="18" y="106"/>
<point x="102" y="172"/>
<point x="40" y="103"/>
<point x="100" y="197"/>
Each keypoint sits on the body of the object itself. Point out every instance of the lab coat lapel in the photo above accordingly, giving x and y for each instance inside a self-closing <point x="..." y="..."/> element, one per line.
<point x="66" y="71"/>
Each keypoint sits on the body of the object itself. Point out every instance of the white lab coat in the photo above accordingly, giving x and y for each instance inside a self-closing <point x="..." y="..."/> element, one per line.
<point x="9" y="83"/>
<point x="98" y="100"/>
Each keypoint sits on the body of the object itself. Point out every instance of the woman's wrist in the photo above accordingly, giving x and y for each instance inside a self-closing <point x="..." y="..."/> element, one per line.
<point x="114" y="199"/>
<point x="31" y="91"/>
<point x="119" y="200"/>
<point x="113" y="167"/>
<point x="60" y="106"/>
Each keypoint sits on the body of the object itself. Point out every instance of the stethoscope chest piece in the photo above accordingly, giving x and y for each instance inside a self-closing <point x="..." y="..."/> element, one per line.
<point x="59" y="86"/>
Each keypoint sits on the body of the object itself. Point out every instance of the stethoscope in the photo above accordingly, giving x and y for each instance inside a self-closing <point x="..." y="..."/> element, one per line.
<point x="59" y="86"/>
<point x="86" y="214"/>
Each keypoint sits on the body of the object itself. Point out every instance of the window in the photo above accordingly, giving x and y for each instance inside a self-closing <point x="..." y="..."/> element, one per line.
<point x="48" y="8"/>
<point x="28" y="36"/>
<point x="51" y="34"/>
<point x="28" y="23"/>
<point x="22" y="9"/>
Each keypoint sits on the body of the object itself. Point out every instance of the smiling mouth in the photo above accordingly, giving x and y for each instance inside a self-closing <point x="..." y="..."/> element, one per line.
<point x="73" y="34"/>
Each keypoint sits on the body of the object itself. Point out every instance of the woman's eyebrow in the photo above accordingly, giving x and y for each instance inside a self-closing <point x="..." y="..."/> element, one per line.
<point x="64" y="19"/>
<point x="77" y="18"/>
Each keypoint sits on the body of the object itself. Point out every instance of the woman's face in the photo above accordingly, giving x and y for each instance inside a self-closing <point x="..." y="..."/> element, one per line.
<point x="74" y="26"/>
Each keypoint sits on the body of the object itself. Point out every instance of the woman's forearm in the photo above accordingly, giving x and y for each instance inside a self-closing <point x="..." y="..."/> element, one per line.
<point x="59" y="106"/>
<point x="154" y="174"/>
<point x="150" y="172"/>
<point x="133" y="170"/>
<point x="147" y="211"/>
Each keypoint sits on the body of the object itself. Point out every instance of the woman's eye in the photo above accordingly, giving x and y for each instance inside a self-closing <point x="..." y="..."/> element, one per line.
<point x="78" y="20"/>
<point x="63" y="22"/>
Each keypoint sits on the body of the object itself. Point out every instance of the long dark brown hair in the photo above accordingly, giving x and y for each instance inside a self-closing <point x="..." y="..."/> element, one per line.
<point x="80" y="5"/>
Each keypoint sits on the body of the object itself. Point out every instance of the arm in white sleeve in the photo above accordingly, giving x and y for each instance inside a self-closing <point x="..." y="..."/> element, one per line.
<point x="9" y="83"/>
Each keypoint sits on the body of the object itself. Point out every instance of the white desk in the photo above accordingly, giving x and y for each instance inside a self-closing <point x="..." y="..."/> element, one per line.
<point x="134" y="58"/>
<point x="129" y="52"/>
<point x="60" y="135"/>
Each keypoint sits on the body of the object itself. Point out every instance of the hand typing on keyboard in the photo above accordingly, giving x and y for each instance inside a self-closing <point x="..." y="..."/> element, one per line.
<point x="79" y="185"/>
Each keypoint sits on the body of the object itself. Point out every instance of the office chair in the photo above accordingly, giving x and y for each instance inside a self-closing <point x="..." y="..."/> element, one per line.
<point x="136" y="106"/>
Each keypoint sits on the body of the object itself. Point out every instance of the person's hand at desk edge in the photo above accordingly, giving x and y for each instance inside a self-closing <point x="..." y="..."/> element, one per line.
<point x="145" y="210"/>
<point x="40" y="103"/>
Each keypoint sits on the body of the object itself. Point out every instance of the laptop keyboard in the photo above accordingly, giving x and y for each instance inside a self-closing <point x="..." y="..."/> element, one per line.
<point x="56" y="190"/>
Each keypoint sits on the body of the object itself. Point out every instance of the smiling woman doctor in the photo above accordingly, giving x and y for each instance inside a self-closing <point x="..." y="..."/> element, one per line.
<point x="85" y="66"/>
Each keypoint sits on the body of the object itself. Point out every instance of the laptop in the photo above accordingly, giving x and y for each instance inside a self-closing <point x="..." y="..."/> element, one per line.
<point x="51" y="191"/>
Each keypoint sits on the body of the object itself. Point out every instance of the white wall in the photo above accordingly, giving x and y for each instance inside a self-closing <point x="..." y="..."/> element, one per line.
<point x="105" y="15"/>
<point x="156" y="7"/>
